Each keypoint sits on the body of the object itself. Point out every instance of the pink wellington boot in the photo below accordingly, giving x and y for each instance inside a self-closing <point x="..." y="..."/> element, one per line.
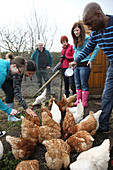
<point x="79" y="96"/>
<point x="85" y="98"/>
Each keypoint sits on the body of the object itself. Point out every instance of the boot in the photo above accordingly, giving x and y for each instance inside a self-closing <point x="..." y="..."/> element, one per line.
<point x="85" y="98"/>
<point x="11" y="117"/>
<point x="79" y="96"/>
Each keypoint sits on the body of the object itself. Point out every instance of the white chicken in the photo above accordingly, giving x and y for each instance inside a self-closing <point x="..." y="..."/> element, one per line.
<point x="78" y="112"/>
<point x="95" y="158"/>
<point x="1" y="150"/>
<point x="96" y="116"/>
<point x="40" y="99"/>
<point x="56" y="113"/>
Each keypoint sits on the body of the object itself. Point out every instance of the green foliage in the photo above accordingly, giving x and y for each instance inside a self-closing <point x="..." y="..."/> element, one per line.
<point x="11" y="125"/>
<point x="8" y="162"/>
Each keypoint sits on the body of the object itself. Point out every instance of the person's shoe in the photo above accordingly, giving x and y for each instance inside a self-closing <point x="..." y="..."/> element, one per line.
<point x="2" y="133"/>
<point x="13" y="118"/>
<point x="103" y="131"/>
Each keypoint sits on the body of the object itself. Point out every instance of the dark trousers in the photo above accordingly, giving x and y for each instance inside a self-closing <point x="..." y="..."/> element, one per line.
<point x="7" y="87"/>
<point x="68" y="81"/>
<point x="107" y="100"/>
<point x="42" y="74"/>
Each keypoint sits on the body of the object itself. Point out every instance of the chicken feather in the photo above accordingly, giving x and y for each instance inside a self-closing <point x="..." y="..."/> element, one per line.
<point x="40" y="99"/>
<point x="95" y="158"/>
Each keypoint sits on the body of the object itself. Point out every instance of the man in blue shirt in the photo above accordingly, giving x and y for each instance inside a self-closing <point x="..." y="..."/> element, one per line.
<point x="43" y="60"/>
<point x="102" y="34"/>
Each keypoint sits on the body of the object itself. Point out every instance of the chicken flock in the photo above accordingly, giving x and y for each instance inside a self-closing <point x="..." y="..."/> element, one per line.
<point x="62" y="130"/>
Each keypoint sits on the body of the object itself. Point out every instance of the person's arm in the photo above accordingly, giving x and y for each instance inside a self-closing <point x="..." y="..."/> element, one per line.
<point x="17" y="92"/>
<point x="94" y="53"/>
<point x="32" y="56"/>
<point x="5" y="108"/>
<point x="50" y="59"/>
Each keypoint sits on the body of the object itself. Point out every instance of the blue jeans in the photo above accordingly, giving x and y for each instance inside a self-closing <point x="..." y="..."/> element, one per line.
<point x="68" y="81"/>
<point x="107" y="100"/>
<point x="45" y="75"/>
<point x="81" y="77"/>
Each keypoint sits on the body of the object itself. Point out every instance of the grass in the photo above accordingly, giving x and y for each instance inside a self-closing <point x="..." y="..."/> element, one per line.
<point x="8" y="162"/>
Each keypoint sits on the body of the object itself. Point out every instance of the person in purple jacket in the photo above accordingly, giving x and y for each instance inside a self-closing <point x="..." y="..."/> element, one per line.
<point x="102" y="34"/>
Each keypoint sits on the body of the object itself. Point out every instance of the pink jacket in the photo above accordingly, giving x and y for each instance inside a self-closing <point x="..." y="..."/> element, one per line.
<point x="69" y="56"/>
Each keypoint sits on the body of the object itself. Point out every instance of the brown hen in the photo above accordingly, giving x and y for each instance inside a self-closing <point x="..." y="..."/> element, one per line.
<point x="51" y="101"/>
<point x="34" y="119"/>
<point x="29" y="130"/>
<point x="45" y="109"/>
<point x="21" y="148"/>
<point x="57" y="154"/>
<point x="71" y="100"/>
<point x="48" y="121"/>
<point x="89" y="125"/>
<point x="68" y="122"/>
<point x="62" y="104"/>
<point x="47" y="133"/>
<point x="80" y="141"/>
<point x="28" y="165"/>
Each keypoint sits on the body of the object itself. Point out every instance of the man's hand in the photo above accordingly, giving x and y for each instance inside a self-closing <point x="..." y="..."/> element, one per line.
<point x="13" y="112"/>
<point x="30" y="112"/>
<point x="73" y="64"/>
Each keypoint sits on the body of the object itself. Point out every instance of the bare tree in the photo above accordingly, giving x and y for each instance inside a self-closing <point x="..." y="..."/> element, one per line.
<point x="18" y="40"/>
<point x="15" y="40"/>
<point x="41" y="28"/>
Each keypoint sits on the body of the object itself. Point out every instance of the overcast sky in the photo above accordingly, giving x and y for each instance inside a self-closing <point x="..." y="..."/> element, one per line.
<point x="65" y="12"/>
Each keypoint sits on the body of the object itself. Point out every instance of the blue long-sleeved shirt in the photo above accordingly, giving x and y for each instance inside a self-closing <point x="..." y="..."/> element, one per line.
<point x="103" y="39"/>
<point x="79" y="49"/>
<point x="4" y="71"/>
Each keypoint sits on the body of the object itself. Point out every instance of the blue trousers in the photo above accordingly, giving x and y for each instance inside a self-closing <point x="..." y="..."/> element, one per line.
<point x="81" y="77"/>
<point x="107" y="100"/>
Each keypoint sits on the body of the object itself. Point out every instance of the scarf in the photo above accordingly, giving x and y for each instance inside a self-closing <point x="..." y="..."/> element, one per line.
<point x="64" y="49"/>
